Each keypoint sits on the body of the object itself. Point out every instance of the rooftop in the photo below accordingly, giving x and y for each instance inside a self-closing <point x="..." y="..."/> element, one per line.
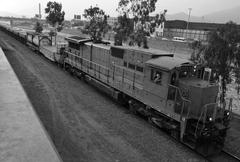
<point x="168" y="63"/>
<point x="149" y="51"/>
<point x="77" y="39"/>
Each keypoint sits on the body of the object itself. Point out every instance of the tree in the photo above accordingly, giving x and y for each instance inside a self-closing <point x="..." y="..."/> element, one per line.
<point x="221" y="53"/>
<point x="97" y="26"/>
<point x="123" y="29"/>
<point x="162" y="17"/>
<point x="38" y="27"/>
<point x="197" y="55"/>
<point x="140" y="10"/>
<point x="237" y="68"/>
<point x="159" y="20"/>
<point x="55" y="14"/>
<point x="237" y="81"/>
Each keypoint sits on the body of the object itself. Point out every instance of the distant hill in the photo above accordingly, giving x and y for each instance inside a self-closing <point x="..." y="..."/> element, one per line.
<point x="215" y="17"/>
<point x="183" y="16"/>
<point x="8" y="14"/>
<point x="224" y="16"/>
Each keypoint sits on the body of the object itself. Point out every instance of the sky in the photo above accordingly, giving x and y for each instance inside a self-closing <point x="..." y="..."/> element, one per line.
<point x="199" y="7"/>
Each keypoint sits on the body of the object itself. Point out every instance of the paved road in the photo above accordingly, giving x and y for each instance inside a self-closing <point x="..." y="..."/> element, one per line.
<point x="20" y="140"/>
<point x="84" y="124"/>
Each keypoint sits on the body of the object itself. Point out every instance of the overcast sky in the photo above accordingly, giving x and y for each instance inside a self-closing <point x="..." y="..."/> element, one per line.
<point x="71" y="7"/>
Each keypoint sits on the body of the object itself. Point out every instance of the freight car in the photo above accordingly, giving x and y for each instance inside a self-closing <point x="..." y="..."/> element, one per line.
<point x="42" y="43"/>
<point x="173" y="93"/>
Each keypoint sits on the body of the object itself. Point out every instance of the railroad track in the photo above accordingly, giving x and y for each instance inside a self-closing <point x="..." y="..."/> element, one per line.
<point x="224" y="156"/>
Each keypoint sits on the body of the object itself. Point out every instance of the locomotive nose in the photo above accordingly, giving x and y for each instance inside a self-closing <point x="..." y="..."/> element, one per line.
<point x="199" y="92"/>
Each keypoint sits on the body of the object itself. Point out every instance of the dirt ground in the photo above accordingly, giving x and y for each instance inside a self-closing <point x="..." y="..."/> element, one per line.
<point x="84" y="124"/>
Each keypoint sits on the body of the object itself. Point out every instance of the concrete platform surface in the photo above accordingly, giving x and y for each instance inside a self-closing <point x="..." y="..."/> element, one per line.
<point x="22" y="136"/>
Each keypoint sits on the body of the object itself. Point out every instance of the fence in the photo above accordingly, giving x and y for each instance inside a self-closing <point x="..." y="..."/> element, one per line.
<point x="188" y="34"/>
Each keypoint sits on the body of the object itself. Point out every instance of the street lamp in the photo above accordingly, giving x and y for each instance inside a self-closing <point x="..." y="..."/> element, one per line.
<point x="189" y="13"/>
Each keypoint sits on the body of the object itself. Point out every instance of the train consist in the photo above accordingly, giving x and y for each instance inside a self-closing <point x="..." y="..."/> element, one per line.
<point x="172" y="93"/>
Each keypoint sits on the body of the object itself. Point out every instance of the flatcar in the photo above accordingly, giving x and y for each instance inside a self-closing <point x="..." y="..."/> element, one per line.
<point x="172" y="93"/>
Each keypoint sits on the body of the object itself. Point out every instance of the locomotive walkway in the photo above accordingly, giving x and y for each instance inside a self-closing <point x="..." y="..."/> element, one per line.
<point x="22" y="136"/>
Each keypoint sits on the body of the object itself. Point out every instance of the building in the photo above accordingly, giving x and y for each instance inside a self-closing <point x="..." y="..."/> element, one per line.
<point x="77" y="17"/>
<point x="112" y="20"/>
<point x="196" y="30"/>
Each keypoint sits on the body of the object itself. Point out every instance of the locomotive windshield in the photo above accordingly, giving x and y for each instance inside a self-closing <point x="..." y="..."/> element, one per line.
<point x="192" y="71"/>
<point x="187" y="71"/>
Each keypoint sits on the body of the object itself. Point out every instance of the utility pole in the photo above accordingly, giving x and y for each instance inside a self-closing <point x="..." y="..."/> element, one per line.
<point x="40" y="15"/>
<point x="189" y="13"/>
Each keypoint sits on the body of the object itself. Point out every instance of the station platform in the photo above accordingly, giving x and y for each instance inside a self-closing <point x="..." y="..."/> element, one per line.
<point x="22" y="136"/>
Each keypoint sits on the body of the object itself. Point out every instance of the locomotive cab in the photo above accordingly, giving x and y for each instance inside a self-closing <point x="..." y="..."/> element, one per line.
<point x="168" y="69"/>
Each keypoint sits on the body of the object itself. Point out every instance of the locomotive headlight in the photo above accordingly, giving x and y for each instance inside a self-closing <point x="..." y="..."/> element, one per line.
<point x="210" y="119"/>
<point x="227" y="113"/>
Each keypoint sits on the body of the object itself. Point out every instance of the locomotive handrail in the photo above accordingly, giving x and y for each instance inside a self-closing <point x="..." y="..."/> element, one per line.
<point x="204" y="110"/>
<point x="179" y="92"/>
<point x="207" y="107"/>
<point x="184" y="100"/>
<point x="113" y="71"/>
<point x="195" y="133"/>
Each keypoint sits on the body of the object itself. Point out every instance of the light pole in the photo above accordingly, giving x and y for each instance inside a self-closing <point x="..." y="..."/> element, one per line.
<point x="189" y="13"/>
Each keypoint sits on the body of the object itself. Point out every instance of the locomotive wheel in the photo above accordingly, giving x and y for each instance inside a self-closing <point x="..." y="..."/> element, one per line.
<point x="175" y="134"/>
<point x="149" y="118"/>
<point x="132" y="110"/>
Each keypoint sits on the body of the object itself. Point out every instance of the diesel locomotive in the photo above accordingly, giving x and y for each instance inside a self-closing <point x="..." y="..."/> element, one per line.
<point x="173" y="93"/>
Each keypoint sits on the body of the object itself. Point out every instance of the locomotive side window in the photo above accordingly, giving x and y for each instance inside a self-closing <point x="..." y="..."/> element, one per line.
<point x="139" y="68"/>
<point x="125" y="63"/>
<point x="173" y="78"/>
<point x="156" y="76"/>
<point x="73" y="45"/>
<point x="131" y="66"/>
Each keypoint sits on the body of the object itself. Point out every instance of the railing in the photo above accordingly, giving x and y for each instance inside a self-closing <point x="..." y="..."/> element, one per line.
<point x="182" y="105"/>
<point x="228" y="102"/>
<point x="115" y="73"/>
<point x="115" y="69"/>
<point x="204" y="113"/>
<point x="127" y="80"/>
